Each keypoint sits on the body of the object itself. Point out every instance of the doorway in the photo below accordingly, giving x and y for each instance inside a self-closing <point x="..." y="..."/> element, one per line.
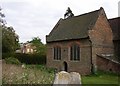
<point x="65" y="66"/>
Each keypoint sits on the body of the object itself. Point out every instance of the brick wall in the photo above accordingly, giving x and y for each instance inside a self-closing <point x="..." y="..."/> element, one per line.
<point x="101" y="37"/>
<point x="107" y="65"/>
<point x="83" y="66"/>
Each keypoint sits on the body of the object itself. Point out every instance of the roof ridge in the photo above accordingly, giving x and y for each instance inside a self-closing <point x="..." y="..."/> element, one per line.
<point x="114" y="18"/>
<point x="74" y="27"/>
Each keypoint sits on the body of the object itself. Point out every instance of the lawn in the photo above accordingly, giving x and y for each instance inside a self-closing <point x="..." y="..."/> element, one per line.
<point x="101" y="78"/>
<point x="39" y="74"/>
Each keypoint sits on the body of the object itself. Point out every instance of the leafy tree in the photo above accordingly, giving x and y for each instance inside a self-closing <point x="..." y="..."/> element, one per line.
<point x="2" y="21"/>
<point x="39" y="46"/>
<point x="9" y="38"/>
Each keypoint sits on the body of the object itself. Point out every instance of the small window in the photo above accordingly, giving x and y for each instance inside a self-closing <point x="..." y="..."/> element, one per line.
<point x="57" y="53"/>
<point x="75" y="52"/>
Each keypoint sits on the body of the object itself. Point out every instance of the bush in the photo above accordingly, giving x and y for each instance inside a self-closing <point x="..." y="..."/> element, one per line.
<point x="31" y="58"/>
<point x="7" y="55"/>
<point x="12" y="60"/>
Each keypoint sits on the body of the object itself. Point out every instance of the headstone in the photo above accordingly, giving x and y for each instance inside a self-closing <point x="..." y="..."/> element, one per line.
<point x="75" y="78"/>
<point x="66" y="79"/>
<point x="23" y="66"/>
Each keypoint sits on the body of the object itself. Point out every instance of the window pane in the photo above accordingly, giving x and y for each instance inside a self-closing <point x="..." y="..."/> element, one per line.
<point x="78" y="53"/>
<point x="54" y="53"/>
<point x="71" y="58"/>
<point x="57" y="53"/>
<point x="75" y="52"/>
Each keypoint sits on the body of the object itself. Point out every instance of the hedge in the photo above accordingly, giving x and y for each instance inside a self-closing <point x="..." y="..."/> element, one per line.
<point x="7" y="55"/>
<point x="31" y="58"/>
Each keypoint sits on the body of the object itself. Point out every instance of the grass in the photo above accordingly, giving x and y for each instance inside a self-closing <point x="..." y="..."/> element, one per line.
<point x="101" y="78"/>
<point x="31" y="74"/>
<point x="39" y="74"/>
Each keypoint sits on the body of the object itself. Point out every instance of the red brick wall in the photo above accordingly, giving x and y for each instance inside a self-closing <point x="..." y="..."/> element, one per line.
<point x="101" y="36"/>
<point x="83" y="66"/>
<point x="107" y="65"/>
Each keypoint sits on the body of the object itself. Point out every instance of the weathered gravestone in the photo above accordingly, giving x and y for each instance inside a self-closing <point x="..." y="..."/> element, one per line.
<point x="67" y="79"/>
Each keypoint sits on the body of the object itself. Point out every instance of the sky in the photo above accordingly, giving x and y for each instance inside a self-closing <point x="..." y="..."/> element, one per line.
<point x="36" y="18"/>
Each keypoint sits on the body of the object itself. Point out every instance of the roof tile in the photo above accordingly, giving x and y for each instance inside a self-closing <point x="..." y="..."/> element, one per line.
<point x="73" y="28"/>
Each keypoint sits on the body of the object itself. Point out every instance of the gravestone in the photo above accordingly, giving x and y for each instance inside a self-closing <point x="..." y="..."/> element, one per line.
<point x="67" y="79"/>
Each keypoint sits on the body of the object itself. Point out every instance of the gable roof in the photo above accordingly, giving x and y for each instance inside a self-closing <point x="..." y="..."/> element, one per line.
<point x="115" y="26"/>
<point x="73" y="28"/>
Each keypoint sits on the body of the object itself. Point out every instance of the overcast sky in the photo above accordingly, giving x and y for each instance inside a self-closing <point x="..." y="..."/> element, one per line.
<point x="32" y="18"/>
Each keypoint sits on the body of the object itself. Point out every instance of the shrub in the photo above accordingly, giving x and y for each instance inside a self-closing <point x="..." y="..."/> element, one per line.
<point x="12" y="60"/>
<point x="31" y="58"/>
<point x="7" y="55"/>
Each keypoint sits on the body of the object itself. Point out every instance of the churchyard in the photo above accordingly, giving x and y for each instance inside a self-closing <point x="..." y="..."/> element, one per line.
<point x="39" y="74"/>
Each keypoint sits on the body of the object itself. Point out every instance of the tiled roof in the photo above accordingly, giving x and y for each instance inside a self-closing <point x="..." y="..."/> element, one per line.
<point x="73" y="28"/>
<point x="115" y="26"/>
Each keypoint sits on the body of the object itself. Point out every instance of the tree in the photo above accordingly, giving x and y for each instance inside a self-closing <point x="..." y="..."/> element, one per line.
<point x="10" y="40"/>
<point x="39" y="46"/>
<point x="2" y="21"/>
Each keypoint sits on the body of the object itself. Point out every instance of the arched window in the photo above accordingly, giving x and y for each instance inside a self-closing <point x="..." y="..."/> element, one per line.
<point x="75" y="52"/>
<point x="57" y="53"/>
